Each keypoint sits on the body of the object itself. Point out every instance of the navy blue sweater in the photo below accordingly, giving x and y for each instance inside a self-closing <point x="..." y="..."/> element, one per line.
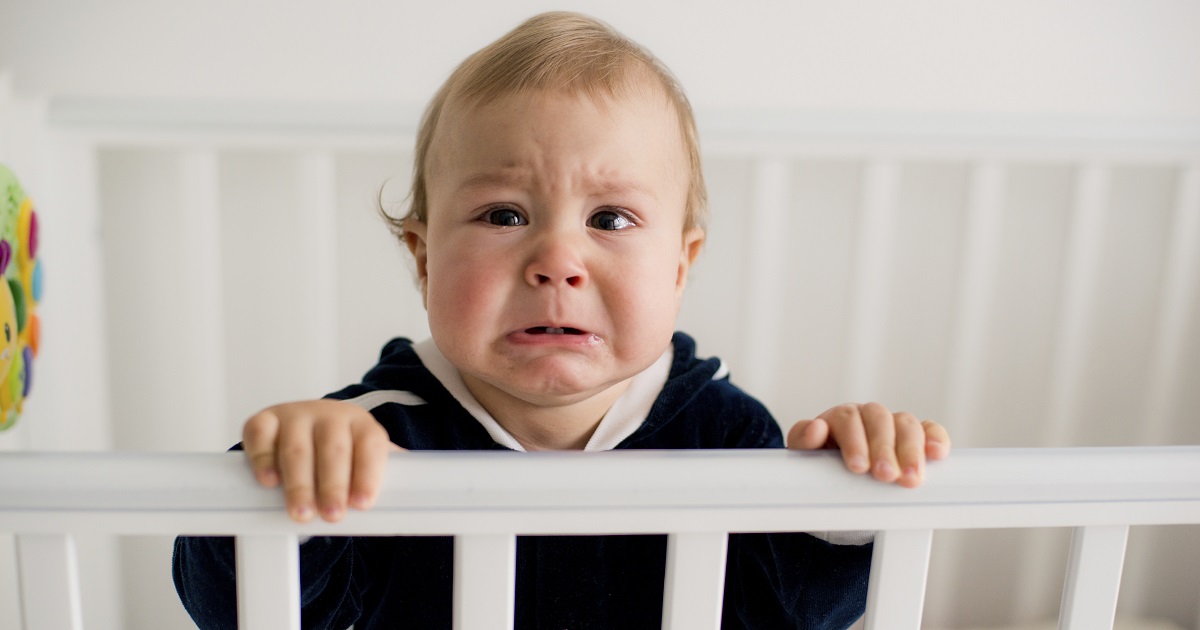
<point x="790" y="580"/>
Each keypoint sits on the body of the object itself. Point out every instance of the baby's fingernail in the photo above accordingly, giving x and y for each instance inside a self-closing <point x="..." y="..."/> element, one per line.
<point x="360" y="501"/>
<point x="332" y="512"/>
<point x="884" y="468"/>
<point x="302" y="512"/>
<point x="911" y="473"/>
<point x="269" y="477"/>
<point x="858" y="463"/>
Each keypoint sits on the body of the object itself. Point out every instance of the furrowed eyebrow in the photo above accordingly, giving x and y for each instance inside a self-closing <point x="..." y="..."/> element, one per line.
<point x="597" y="187"/>
<point x="621" y="188"/>
<point x="494" y="179"/>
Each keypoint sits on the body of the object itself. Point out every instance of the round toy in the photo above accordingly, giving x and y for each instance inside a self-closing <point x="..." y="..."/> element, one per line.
<point x="20" y="328"/>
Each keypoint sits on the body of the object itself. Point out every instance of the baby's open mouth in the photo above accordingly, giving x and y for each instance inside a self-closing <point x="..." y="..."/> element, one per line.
<point x="550" y="330"/>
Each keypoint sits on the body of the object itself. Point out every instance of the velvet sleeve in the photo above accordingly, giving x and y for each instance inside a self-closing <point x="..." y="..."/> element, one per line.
<point x="203" y="571"/>
<point x="794" y="580"/>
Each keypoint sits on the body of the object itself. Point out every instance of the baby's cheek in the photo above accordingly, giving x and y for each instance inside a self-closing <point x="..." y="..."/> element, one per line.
<point x="456" y="291"/>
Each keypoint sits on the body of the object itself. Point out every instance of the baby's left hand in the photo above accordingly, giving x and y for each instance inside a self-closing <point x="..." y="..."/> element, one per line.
<point x="894" y="447"/>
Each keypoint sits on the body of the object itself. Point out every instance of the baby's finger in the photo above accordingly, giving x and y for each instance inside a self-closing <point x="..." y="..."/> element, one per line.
<point x="295" y="460"/>
<point x="846" y="430"/>
<point x="371" y="448"/>
<point x="937" y="440"/>
<point x="910" y="449"/>
<point x="881" y="439"/>
<point x="808" y="434"/>
<point x="334" y="452"/>
<point x="258" y="441"/>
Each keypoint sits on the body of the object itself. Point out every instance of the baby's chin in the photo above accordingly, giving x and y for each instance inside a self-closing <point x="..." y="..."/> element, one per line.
<point x="556" y="382"/>
<point x="561" y="388"/>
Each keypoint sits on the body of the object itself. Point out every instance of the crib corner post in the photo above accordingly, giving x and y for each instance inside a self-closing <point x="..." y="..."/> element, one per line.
<point x="49" y="581"/>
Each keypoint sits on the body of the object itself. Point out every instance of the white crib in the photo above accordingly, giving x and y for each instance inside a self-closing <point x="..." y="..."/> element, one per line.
<point x="486" y="499"/>
<point x="1028" y="282"/>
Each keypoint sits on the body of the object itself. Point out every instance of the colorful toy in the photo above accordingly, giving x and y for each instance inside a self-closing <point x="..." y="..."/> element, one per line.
<point x="20" y="293"/>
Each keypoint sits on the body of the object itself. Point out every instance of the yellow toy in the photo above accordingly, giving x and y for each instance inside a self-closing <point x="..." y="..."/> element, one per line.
<point x="20" y="293"/>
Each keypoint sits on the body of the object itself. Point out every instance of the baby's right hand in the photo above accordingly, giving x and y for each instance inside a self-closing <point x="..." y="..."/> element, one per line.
<point x="326" y="453"/>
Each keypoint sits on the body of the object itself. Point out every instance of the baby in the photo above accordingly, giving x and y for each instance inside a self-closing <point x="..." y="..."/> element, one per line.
<point x="557" y="205"/>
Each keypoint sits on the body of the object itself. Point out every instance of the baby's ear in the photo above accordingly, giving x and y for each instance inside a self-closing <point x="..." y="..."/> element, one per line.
<point x="414" y="237"/>
<point x="693" y="242"/>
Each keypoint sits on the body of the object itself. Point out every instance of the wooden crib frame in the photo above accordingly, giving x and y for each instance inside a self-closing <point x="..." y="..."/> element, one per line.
<point x="59" y="146"/>
<point x="697" y="497"/>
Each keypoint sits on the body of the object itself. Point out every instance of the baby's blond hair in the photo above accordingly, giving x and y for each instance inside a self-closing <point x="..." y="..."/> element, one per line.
<point x="556" y="51"/>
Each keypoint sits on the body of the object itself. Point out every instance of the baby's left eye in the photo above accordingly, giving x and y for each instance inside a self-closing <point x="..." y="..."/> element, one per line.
<point x="609" y="221"/>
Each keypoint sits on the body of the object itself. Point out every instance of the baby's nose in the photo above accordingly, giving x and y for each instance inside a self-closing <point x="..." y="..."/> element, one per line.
<point x="556" y="264"/>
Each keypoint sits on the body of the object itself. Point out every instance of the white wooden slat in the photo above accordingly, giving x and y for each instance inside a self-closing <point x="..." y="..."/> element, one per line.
<point x="976" y="282"/>
<point x="1181" y="266"/>
<point x="695" y="581"/>
<point x="49" y="578"/>
<point x="1078" y="286"/>
<point x="765" y="248"/>
<point x="1084" y="249"/>
<point x="1093" y="578"/>
<point x="485" y="576"/>
<point x="268" y="581"/>
<point x="979" y="253"/>
<point x="200" y="270"/>
<point x="1180" y="270"/>
<point x="70" y="219"/>
<point x="316" y="174"/>
<point x="899" y="569"/>
<point x="872" y="276"/>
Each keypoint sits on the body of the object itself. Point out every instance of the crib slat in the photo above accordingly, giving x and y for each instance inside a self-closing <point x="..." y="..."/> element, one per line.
<point x="695" y="581"/>
<point x="49" y="577"/>
<point x="872" y="277"/>
<point x="1078" y="301"/>
<point x="1181" y="270"/>
<point x="977" y="277"/>
<point x="316" y="221"/>
<point x="485" y="577"/>
<point x="1081" y="266"/>
<point x="765" y="264"/>
<point x="899" y="568"/>
<point x="268" y="582"/>
<point x="1093" y="578"/>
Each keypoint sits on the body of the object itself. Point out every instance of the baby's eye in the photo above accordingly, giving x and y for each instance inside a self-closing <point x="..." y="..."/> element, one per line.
<point x="609" y="221"/>
<point x="504" y="217"/>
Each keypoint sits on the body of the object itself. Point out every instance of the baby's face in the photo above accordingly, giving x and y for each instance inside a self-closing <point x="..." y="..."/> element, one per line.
<point x="554" y="256"/>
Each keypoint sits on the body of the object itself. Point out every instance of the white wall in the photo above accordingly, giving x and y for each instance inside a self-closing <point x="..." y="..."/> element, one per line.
<point x="1106" y="58"/>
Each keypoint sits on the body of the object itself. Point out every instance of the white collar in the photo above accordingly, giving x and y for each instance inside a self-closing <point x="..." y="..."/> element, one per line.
<point x="623" y="418"/>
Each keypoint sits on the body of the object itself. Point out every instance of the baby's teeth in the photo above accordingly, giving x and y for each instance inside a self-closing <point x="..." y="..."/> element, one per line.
<point x="550" y="330"/>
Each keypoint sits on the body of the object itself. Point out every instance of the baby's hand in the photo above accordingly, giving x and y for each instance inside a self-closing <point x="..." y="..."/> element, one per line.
<point x="327" y="450"/>
<point x="893" y="447"/>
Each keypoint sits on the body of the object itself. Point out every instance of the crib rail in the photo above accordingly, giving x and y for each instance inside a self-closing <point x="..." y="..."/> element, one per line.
<point x="485" y="499"/>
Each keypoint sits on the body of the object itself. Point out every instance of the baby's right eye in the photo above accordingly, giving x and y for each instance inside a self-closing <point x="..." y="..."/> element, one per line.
<point x="504" y="217"/>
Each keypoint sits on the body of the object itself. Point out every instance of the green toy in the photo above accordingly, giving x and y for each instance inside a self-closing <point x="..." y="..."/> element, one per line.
<point x="20" y="329"/>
